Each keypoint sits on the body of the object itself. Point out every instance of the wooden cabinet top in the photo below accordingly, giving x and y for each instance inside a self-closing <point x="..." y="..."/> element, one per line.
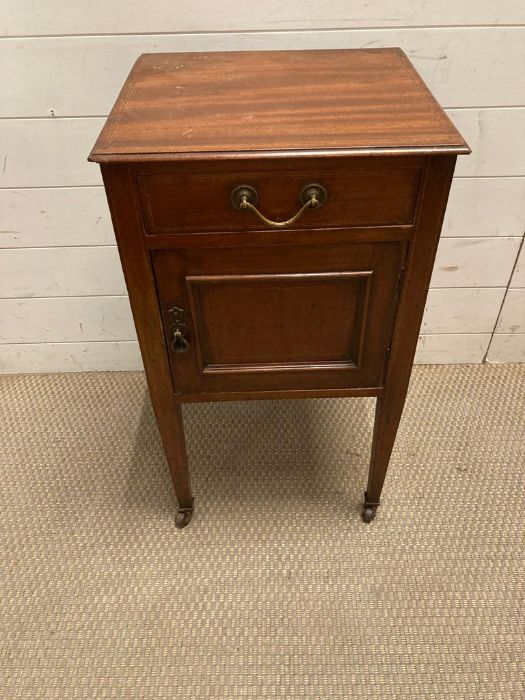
<point x="260" y="103"/>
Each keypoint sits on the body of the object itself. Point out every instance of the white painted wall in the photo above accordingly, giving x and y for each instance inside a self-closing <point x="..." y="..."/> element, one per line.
<point x="63" y="304"/>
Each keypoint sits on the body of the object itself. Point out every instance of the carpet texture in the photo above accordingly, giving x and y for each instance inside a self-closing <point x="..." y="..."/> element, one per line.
<point x="276" y="589"/>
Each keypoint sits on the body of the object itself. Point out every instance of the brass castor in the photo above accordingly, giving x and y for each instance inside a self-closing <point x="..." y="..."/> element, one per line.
<point x="368" y="513"/>
<point x="183" y="517"/>
<point x="369" y="510"/>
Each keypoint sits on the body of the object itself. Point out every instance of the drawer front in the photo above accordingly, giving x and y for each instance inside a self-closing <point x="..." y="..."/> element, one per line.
<point x="278" y="318"/>
<point x="369" y="192"/>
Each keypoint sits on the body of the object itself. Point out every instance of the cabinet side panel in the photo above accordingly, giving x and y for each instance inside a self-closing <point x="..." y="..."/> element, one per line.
<point x="419" y="270"/>
<point x="138" y="273"/>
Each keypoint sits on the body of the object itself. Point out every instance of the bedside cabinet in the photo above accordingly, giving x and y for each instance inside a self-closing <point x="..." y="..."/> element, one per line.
<point x="277" y="216"/>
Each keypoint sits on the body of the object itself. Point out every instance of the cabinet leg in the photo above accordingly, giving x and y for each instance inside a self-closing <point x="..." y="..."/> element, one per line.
<point x="419" y="264"/>
<point x="387" y="417"/>
<point x="140" y="280"/>
<point x="171" y="427"/>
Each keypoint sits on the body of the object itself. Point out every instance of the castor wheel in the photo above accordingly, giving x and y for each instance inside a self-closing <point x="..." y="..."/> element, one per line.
<point x="369" y="510"/>
<point x="368" y="513"/>
<point x="183" y="517"/>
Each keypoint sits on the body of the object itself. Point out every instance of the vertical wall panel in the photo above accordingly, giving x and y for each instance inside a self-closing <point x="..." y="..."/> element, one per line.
<point x="64" y="305"/>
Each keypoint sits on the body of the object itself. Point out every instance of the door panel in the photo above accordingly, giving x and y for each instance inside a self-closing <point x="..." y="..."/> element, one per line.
<point x="280" y="317"/>
<point x="276" y="322"/>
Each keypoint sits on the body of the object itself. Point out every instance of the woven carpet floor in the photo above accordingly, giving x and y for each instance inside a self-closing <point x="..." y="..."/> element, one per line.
<point x="276" y="589"/>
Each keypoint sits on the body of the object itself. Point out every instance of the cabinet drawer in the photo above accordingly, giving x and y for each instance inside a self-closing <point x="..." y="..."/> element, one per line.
<point x="368" y="192"/>
<point x="281" y="318"/>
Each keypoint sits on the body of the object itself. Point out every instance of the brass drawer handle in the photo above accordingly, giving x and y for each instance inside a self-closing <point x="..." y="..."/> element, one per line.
<point x="245" y="198"/>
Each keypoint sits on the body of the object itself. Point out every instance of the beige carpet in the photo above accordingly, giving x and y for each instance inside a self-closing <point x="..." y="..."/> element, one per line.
<point x="276" y="589"/>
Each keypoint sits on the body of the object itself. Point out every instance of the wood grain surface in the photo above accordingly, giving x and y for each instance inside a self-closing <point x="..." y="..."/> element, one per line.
<point x="308" y="317"/>
<point x="275" y="101"/>
<point x="360" y="192"/>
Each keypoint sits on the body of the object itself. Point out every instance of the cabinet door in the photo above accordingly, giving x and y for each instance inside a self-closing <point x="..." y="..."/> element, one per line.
<point x="278" y="317"/>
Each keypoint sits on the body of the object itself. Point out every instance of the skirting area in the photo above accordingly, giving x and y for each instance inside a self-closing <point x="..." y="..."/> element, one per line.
<point x="276" y="589"/>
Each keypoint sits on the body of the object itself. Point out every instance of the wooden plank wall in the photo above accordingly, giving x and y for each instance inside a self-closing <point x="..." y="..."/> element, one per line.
<point x="63" y="304"/>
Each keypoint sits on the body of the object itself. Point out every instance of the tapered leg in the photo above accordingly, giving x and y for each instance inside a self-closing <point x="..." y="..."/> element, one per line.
<point x="387" y="417"/>
<point x="136" y="264"/>
<point x="171" y="427"/>
<point x="419" y="264"/>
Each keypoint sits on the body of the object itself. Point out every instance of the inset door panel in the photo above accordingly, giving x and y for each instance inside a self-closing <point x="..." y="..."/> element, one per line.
<point x="278" y="317"/>
<point x="275" y="322"/>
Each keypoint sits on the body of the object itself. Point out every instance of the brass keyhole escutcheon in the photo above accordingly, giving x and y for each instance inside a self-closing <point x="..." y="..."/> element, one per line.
<point x="179" y="342"/>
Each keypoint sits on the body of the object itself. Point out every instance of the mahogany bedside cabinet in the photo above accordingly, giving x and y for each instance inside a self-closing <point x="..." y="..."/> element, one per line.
<point x="277" y="216"/>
